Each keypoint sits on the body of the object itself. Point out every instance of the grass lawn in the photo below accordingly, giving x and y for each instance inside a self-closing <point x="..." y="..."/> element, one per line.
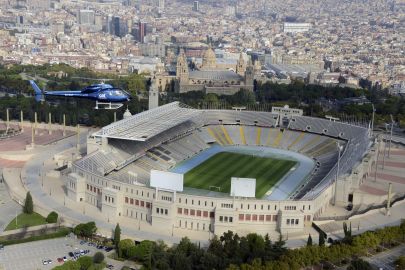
<point x="25" y="220"/>
<point x="218" y="170"/>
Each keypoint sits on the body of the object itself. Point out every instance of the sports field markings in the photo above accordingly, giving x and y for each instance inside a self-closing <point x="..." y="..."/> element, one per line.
<point x="216" y="172"/>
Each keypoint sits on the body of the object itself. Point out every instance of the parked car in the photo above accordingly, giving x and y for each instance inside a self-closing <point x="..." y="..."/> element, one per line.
<point x="60" y="260"/>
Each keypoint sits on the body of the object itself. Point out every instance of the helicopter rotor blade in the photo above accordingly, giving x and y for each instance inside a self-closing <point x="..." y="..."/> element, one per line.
<point x="93" y="79"/>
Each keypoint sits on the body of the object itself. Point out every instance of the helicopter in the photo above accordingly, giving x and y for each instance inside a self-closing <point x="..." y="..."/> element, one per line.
<point x="106" y="96"/>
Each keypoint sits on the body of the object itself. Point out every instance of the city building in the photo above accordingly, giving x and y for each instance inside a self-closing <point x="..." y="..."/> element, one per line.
<point x="86" y="16"/>
<point x="141" y="31"/>
<point x="296" y="27"/>
<point x="196" y="6"/>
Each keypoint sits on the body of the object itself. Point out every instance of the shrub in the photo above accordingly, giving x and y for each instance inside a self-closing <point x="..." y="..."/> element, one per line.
<point x="98" y="257"/>
<point x="52" y="217"/>
<point x="61" y="233"/>
<point x="85" y="262"/>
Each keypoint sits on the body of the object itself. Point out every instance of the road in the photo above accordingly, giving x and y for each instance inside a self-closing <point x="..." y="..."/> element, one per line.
<point x="385" y="260"/>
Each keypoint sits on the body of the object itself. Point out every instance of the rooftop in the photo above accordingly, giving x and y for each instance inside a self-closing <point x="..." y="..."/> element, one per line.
<point x="142" y="126"/>
<point x="215" y="75"/>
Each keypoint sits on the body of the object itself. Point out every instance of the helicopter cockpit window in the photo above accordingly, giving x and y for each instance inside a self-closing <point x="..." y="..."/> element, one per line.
<point x="117" y="92"/>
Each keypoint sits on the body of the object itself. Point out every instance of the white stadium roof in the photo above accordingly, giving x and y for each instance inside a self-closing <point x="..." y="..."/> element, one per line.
<point x="145" y="125"/>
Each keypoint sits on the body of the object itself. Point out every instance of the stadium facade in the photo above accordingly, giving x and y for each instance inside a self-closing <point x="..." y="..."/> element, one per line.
<point x="115" y="174"/>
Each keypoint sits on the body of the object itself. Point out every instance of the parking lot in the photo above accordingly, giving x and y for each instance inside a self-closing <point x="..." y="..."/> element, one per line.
<point x="29" y="256"/>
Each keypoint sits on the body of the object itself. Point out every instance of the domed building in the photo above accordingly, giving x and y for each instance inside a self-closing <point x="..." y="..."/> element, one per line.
<point x="211" y="78"/>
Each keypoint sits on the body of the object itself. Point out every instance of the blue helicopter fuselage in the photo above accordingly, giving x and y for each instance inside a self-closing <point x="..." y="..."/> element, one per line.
<point x="99" y="92"/>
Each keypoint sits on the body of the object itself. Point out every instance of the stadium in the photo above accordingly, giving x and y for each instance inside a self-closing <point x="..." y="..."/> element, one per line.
<point x="176" y="167"/>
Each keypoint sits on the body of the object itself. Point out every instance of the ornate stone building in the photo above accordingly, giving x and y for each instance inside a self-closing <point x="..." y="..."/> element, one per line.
<point x="211" y="78"/>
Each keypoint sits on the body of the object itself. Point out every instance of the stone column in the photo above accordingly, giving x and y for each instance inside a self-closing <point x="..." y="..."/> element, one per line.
<point x="49" y="123"/>
<point x="78" y="137"/>
<point x="21" y="120"/>
<point x="32" y="135"/>
<point x="7" y="120"/>
<point x="64" y="125"/>
<point x="36" y="123"/>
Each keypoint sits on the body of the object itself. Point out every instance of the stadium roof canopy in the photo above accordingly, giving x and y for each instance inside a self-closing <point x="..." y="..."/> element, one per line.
<point x="145" y="125"/>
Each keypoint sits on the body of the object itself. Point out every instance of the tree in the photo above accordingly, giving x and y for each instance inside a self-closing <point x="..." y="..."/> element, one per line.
<point x="309" y="241"/>
<point x="211" y="98"/>
<point x="123" y="247"/>
<point x="359" y="264"/>
<point x="52" y="217"/>
<point x="85" y="229"/>
<point x="98" y="257"/>
<point x="28" y="205"/>
<point x="85" y="262"/>
<point x="117" y="235"/>
<point x="322" y="237"/>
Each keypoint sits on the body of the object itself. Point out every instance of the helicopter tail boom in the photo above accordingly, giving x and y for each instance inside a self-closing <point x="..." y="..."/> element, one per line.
<point x="39" y="95"/>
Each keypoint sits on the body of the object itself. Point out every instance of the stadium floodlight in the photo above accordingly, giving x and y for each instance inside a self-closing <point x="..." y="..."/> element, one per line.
<point x="238" y="109"/>
<point x="331" y="118"/>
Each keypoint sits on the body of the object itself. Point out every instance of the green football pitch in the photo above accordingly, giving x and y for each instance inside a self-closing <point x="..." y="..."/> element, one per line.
<point x="215" y="173"/>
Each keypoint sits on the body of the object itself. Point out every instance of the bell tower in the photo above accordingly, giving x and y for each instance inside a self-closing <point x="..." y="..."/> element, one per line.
<point x="241" y="65"/>
<point x="249" y="75"/>
<point x="182" y="68"/>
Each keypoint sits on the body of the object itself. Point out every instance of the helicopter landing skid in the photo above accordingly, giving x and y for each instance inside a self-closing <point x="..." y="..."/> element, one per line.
<point x="108" y="105"/>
